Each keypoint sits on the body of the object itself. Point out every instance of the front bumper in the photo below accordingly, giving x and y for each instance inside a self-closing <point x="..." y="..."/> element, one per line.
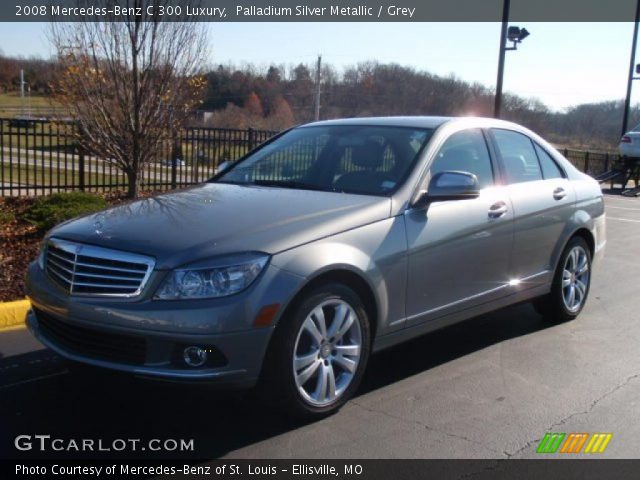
<point x="240" y="353"/>
<point x="147" y="337"/>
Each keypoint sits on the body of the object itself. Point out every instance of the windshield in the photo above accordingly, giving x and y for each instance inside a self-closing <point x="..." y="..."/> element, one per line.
<point x="370" y="160"/>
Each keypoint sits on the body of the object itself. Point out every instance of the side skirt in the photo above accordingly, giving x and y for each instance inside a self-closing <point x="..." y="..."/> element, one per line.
<point x="403" y="335"/>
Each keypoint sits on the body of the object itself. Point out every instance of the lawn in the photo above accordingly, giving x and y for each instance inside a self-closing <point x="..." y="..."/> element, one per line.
<point x="26" y="175"/>
<point x="12" y="104"/>
<point x="40" y="176"/>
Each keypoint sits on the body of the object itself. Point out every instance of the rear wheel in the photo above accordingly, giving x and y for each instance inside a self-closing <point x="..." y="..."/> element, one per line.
<point x="319" y="353"/>
<point x="571" y="284"/>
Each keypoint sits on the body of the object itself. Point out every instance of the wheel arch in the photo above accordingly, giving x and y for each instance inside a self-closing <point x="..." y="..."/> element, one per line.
<point x="346" y="276"/>
<point x="582" y="232"/>
<point x="588" y="237"/>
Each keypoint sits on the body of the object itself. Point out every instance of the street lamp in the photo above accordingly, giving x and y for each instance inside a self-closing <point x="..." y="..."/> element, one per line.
<point x="515" y="35"/>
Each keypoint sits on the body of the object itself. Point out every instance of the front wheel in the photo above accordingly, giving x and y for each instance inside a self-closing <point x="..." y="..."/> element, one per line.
<point x="571" y="284"/>
<point x="319" y="352"/>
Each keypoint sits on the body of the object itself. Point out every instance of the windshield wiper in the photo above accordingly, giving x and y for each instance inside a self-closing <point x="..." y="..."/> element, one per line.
<point x="288" y="184"/>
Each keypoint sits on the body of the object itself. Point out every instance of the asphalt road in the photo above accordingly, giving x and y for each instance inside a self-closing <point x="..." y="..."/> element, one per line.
<point x="490" y="387"/>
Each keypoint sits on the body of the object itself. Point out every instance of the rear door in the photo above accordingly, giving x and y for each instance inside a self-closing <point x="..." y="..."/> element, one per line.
<point x="542" y="200"/>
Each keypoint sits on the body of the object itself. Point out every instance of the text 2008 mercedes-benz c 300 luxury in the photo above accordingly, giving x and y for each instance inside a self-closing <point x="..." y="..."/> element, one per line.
<point x="329" y="242"/>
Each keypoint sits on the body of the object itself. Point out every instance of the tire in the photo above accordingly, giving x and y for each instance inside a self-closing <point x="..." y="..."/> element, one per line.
<point x="557" y="306"/>
<point x="329" y="368"/>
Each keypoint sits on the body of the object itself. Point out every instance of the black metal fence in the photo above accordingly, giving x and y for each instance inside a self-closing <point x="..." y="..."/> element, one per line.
<point x="39" y="157"/>
<point x="593" y="163"/>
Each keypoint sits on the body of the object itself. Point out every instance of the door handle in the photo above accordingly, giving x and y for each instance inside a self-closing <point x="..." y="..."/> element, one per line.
<point x="497" y="210"/>
<point x="559" y="193"/>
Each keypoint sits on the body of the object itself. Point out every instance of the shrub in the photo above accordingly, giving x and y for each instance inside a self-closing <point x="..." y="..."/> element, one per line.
<point x="6" y="217"/>
<point x="46" y="212"/>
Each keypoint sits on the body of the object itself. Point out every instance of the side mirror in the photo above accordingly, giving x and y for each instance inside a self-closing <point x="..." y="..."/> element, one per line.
<point x="451" y="185"/>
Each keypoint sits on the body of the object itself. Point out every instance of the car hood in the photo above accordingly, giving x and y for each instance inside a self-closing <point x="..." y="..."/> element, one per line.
<point x="217" y="219"/>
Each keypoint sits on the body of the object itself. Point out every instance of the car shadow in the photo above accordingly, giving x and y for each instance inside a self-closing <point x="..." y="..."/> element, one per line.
<point x="103" y="405"/>
<point x="431" y="350"/>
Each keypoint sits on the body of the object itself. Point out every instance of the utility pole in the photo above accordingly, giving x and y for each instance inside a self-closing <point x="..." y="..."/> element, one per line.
<point x="632" y="61"/>
<point x="22" y="90"/>
<point x="22" y="84"/>
<point x="503" y="38"/>
<point x="317" y="101"/>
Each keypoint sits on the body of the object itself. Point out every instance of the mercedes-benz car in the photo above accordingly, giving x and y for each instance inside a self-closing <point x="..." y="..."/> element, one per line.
<point x="329" y="242"/>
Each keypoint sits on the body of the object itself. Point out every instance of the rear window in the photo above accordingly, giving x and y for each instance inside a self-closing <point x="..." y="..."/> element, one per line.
<point x="550" y="168"/>
<point x="518" y="156"/>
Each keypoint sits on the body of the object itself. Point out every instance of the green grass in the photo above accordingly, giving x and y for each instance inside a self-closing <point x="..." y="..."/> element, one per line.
<point x="46" y="143"/>
<point x="11" y="104"/>
<point x="54" y="140"/>
<point x="51" y="176"/>
<point x="13" y="99"/>
<point x="25" y="175"/>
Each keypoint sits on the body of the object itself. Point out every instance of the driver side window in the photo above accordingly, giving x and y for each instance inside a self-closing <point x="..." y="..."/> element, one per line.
<point x="465" y="151"/>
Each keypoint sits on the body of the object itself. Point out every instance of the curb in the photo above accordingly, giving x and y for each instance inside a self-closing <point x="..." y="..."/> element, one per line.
<point x="13" y="314"/>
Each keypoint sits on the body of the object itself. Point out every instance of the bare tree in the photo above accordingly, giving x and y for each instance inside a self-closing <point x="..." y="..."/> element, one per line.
<point x="129" y="82"/>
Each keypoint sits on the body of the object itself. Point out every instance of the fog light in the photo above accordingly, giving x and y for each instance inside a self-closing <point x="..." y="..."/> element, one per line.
<point x="195" y="356"/>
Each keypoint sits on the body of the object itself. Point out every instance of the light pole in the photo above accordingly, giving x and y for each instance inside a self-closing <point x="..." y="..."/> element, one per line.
<point x="515" y="35"/>
<point x="627" y="101"/>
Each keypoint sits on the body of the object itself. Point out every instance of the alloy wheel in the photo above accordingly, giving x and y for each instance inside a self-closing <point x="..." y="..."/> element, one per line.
<point x="327" y="352"/>
<point x="575" y="278"/>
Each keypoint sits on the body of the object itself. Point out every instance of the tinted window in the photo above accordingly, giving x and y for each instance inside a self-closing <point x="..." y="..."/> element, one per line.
<point x="465" y="151"/>
<point x="372" y="160"/>
<point x="549" y="166"/>
<point x="518" y="156"/>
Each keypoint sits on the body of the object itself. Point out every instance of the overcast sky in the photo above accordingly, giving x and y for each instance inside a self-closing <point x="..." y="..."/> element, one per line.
<point x="562" y="64"/>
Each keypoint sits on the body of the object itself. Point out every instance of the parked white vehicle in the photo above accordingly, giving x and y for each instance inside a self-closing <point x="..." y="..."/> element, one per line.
<point x="630" y="143"/>
<point x="178" y="162"/>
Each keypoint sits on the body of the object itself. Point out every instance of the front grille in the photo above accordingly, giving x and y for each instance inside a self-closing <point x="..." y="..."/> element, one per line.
<point x="92" y="343"/>
<point x="88" y="270"/>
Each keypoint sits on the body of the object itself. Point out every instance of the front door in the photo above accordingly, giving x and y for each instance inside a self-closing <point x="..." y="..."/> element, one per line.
<point x="459" y="250"/>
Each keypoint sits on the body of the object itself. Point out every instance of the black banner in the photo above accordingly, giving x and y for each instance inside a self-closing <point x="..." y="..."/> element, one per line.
<point x="325" y="470"/>
<point x="318" y="10"/>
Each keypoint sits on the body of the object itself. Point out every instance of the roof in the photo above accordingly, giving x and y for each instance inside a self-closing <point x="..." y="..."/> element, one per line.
<point x="424" y="122"/>
<point x="416" y="122"/>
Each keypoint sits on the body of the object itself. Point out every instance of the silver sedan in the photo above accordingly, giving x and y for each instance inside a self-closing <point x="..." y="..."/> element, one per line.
<point x="331" y="241"/>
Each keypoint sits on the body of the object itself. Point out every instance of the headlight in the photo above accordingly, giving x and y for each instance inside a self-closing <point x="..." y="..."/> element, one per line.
<point x="228" y="277"/>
